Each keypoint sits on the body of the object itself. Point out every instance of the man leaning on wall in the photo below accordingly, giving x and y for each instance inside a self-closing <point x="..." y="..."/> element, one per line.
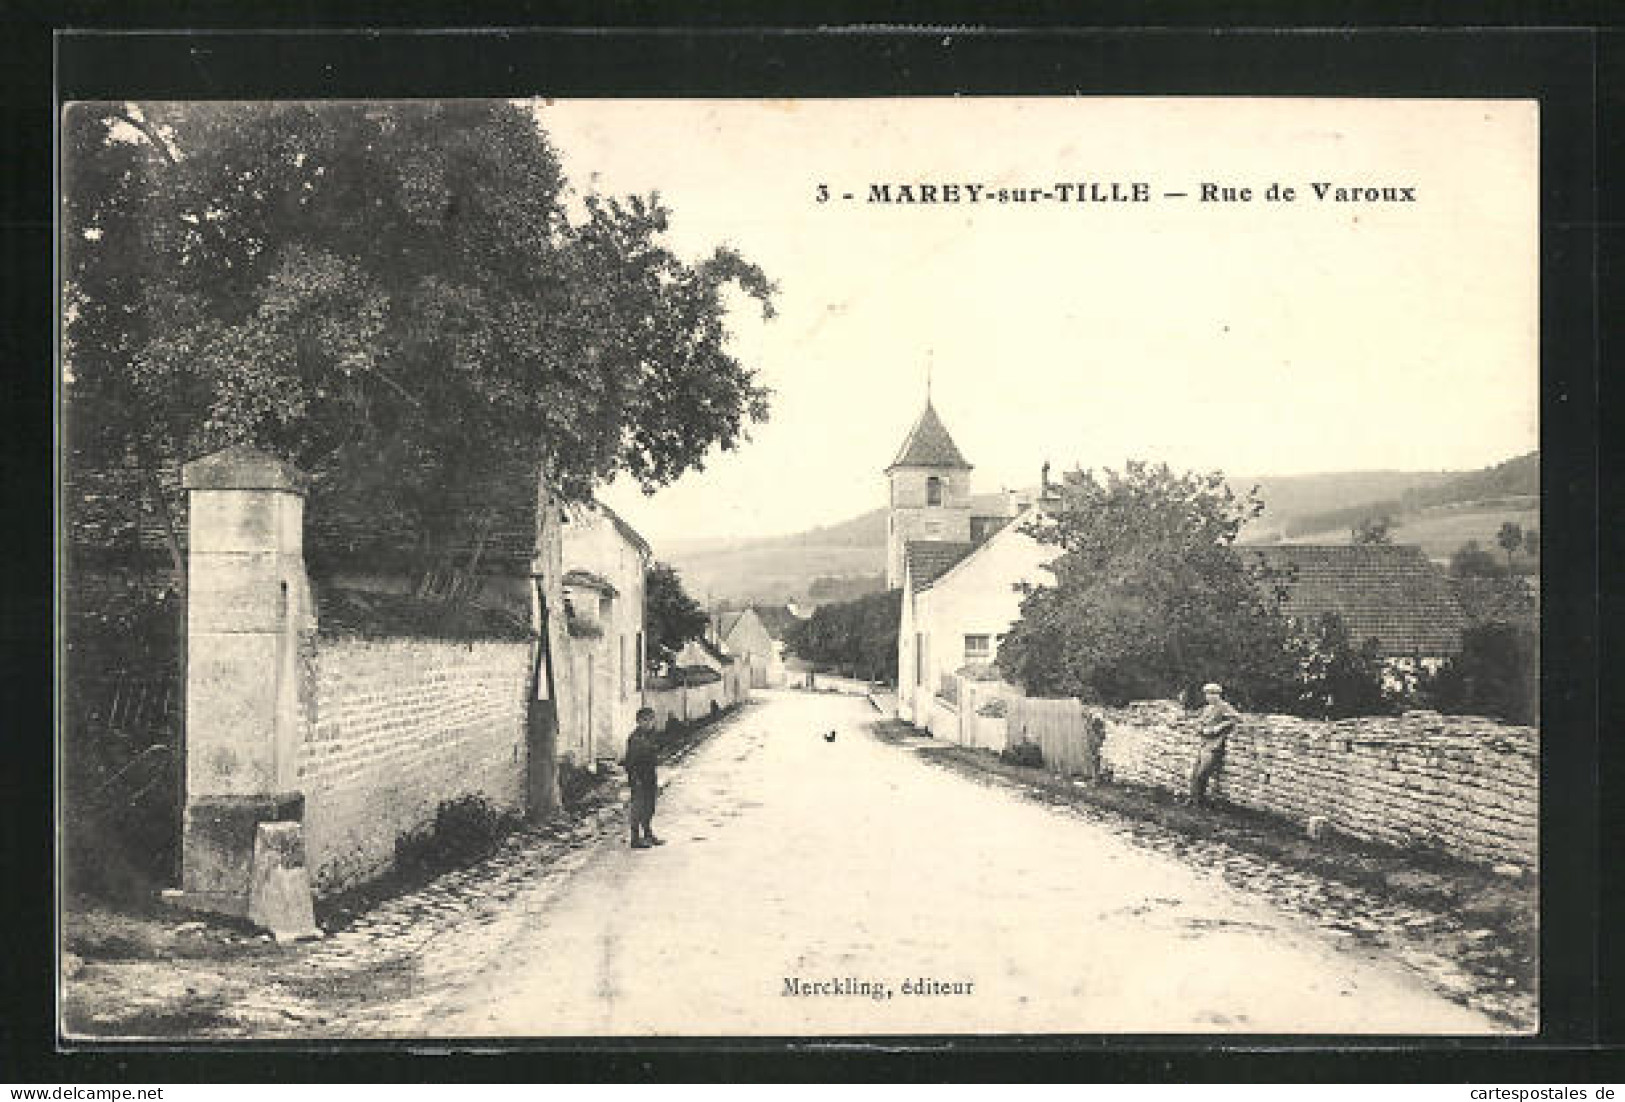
<point x="1214" y="725"/>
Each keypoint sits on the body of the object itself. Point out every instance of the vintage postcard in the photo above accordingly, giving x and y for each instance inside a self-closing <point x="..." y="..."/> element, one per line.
<point x="808" y="568"/>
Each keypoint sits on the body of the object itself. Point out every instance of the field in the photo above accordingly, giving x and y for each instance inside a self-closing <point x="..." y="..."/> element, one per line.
<point x="1441" y="529"/>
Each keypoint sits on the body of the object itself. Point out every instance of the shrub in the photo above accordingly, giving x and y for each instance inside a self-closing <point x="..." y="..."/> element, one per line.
<point x="1022" y="753"/>
<point x="574" y="782"/>
<point x="1496" y="674"/>
<point x="1338" y="677"/>
<point x="464" y="830"/>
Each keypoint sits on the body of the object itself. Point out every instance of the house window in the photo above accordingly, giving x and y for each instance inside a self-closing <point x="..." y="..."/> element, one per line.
<point x="933" y="490"/>
<point x="625" y="688"/>
<point x="919" y="659"/>
<point x="978" y="648"/>
<point x="637" y="673"/>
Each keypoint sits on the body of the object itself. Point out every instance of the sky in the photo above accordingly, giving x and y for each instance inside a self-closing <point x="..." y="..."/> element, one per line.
<point x="1258" y="338"/>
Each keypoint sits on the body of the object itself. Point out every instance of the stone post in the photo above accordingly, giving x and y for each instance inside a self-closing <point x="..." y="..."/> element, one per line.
<point x="250" y="630"/>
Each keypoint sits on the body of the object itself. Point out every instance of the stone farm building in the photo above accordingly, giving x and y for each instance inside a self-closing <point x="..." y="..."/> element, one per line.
<point x="958" y="559"/>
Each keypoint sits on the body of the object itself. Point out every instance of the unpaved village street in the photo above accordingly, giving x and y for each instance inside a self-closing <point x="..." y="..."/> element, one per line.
<point x="849" y="863"/>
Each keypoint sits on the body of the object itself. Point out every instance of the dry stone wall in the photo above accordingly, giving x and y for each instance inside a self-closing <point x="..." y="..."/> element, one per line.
<point x="1460" y="784"/>
<point x="399" y="726"/>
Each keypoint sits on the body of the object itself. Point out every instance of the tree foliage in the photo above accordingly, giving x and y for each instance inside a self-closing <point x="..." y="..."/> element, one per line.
<point x="1373" y="530"/>
<point x="671" y="616"/>
<point x="1150" y="597"/>
<point x="1510" y="539"/>
<point x="383" y="289"/>
<point x="857" y="638"/>
<point x="1471" y="560"/>
<point x="1337" y="675"/>
<point x="1496" y="674"/>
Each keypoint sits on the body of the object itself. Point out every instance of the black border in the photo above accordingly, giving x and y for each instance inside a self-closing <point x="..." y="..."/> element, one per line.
<point x="1560" y="64"/>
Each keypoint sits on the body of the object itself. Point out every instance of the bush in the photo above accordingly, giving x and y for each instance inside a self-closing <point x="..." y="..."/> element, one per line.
<point x="1338" y="677"/>
<point x="1496" y="674"/>
<point x="1022" y="753"/>
<point x="464" y="830"/>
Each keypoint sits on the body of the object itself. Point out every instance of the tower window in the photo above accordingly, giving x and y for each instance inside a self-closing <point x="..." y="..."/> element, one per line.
<point x="933" y="490"/>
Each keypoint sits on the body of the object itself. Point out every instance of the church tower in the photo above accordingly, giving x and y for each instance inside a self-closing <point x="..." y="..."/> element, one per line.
<point x="930" y="492"/>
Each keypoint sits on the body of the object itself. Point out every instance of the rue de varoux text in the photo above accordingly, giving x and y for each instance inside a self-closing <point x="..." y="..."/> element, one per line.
<point x="1211" y="192"/>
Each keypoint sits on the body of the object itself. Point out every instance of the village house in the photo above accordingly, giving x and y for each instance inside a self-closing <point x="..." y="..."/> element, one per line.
<point x="703" y="681"/>
<point x="746" y="636"/>
<point x="959" y="560"/>
<point x="605" y="561"/>
<point x="1388" y="592"/>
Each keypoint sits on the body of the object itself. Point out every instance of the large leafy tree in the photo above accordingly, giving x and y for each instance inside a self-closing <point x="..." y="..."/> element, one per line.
<point x="1150" y="597"/>
<point x="671" y="615"/>
<point x="857" y="637"/>
<point x="401" y="298"/>
<point x="384" y="288"/>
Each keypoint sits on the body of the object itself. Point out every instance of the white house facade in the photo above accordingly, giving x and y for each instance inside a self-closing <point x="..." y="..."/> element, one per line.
<point x="605" y="560"/>
<point x="958" y="559"/>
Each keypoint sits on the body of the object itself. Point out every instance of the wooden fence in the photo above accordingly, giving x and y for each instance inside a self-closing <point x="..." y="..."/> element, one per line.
<point x="1067" y="735"/>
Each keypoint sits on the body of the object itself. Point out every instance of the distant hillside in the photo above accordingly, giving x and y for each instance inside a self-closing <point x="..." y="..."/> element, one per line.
<point x="1440" y="517"/>
<point x="1289" y="498"/>
<point x="780" y="568"/>
<point x="1290" y="512"/>
<point x="1297" y="507"/>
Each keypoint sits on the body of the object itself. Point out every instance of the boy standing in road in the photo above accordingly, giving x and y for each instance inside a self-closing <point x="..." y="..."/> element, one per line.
<point x="1217" y="721"/>
<point x="641" y="756"/>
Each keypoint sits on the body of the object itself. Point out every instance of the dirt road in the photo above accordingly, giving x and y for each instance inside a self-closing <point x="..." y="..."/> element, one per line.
<point x="809" y="887"/>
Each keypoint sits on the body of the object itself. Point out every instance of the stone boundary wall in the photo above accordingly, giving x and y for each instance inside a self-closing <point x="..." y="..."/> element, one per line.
<point x="1461" y="784"/>
<point x="398" y="727"/>
<point x="686" y="703"/>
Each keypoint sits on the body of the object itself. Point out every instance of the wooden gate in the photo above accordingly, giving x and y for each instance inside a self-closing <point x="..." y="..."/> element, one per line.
<point x="1066" y="734"/>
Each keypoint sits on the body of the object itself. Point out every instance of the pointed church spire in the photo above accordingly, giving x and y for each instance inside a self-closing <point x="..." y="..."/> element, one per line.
<point x="928" y="444"/>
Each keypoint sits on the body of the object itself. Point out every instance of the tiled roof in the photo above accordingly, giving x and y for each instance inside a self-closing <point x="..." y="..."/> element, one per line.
<point x="109" y="509"/>
<point x="1503" y="600"/>
<point x="496" y="524"/>
<point x="929" y="445"/>
<point x="628" y="533"/>
<point x="1387" y="591"/>
<point x="929" y="560"/>
<point x="775" y="618"/>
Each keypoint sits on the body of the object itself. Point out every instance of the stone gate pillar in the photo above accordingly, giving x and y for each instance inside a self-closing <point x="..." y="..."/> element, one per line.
<point x="250" y="626"/>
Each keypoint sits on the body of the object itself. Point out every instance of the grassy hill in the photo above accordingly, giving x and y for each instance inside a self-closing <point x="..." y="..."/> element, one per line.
<point x="779" y="568"/>
<point x="1437" y="509"/>
<point x="1439" y="514"/>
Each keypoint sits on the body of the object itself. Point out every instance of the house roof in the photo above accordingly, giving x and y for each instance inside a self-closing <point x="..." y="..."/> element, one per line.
<point x="1493" y="600"/>
<point x="627" y="532"/>
<point x="929" y="560"/>
<point x="109" y="509"/>
<point x="727" y="621"/>
<point x="929" y="445"/>
<point x="714" y="650"/>
<point x="1390" y="592"/>
<point x="775" y="619"/>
